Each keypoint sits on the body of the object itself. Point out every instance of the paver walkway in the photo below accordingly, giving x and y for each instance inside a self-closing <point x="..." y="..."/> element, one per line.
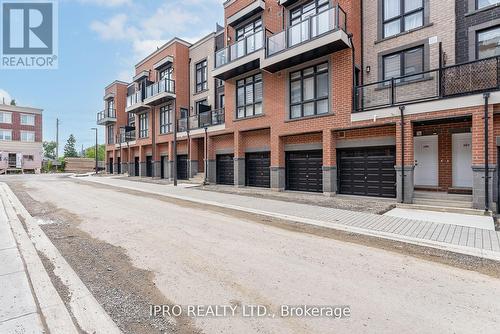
<point x="462" y="239"/>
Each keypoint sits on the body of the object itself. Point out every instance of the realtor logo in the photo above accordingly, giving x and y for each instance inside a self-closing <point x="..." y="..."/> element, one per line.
<point x="29" y="34"/>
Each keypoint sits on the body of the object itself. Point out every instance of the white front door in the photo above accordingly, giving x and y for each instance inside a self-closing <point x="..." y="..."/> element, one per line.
<point x="426" y="161"/>
<point x="462" y="159"/>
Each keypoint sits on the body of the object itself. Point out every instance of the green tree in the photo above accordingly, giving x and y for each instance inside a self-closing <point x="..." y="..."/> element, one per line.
<point x="49" y="149"/>
<point x="69" y="148"/>
<point x="101" y="152"/>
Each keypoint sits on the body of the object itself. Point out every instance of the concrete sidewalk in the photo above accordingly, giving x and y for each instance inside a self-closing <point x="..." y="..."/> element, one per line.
<point x="455" y="238"/>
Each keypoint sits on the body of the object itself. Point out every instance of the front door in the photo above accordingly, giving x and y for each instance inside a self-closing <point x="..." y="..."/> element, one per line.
<point x="426" y="161"/>
<point x="462" y="159"/>
<point x="110" y="165"/>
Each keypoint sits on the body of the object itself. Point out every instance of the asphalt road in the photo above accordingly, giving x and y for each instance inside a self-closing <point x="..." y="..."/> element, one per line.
<point x="181" y="253"/>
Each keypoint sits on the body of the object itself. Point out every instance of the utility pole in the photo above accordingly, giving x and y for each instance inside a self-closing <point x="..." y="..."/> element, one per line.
<point x="175" y="146"/>
<point x="57" y="138"/>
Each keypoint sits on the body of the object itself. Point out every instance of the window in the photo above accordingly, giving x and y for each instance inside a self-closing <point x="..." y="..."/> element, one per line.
<point x="111" y="107"/>
<point x="249" y="29"/>
<point x="111" y="133"/>
<point x="27" y="136"/>
<point x="202" y="106"/>
<point x="488" y="43"/>
<point x="222" y="100"/>
<point x="201" y="76"/>
<point x="165" y="119"/>
<point x="143" y="125"/>
<point x="486" y="3"/>
<point x="166" y="74"/>
<point x="309" y="91"/>
<point x="6" y="135"/>
<point x="28" y="158"/>
<point x="404" y="63"/>
<point x="302" y="12"/>
<point x="249" y="96"/>
<point x="5" y="117"/>
<point x="402" y="15"/>
<point x="27" y="119"/>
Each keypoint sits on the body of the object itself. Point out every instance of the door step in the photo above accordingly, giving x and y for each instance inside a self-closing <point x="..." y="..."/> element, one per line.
<point x="465" y="211"/>
<point x="443" y="202"/>
<point x="442" y="196"/>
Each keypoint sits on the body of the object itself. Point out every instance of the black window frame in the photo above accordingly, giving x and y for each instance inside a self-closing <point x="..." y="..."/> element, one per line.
<point x="401" y="17"/>
<point x="144" y="125"/>
<point x="257" y="25"/>
<point x="302" y="102"/>
<point x="318" y="8"/>
<point x="402" y="66"/>
<point x="477" y="38"/>
<point x="166" y="118"/>
<point x="201" y="67"/>
<point x="255" y="79"/>
<point x="166" y="73"/>
<point x="110" y="134"/>
<point x="198" y="103"/>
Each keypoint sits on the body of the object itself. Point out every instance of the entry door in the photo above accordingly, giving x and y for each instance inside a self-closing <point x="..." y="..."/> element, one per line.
<point x="110" y="165"/>
<point x="182" y="167"/>
<point x="462" y="159"/>
<point x="149" y="166"/>
<point x="426" y="161"/>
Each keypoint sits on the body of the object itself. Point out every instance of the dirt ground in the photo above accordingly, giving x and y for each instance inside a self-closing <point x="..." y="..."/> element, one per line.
<point x="133" y="250"/>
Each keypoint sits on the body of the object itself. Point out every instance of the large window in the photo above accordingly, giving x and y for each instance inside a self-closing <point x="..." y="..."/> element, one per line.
<point x="488" y="43"/>
<point x="143" y="125"/>
<point x="201" y="76"/>
<point x="111" y="134"/>
<point x="166" y="118"/>
<point x="402" y="15"/>
<point x="404" y="63"/>
<point x="249" y="96"/>
<point x="6" y="135"/>
<point x="248" y="29"/>
<point x="302" y="12"/>
<point x="27" y="136"/>
<point x="5" y="117"/>
<point x="166" y="74"/>
<point x="309" y="91"/>
<point x="485" y="3"/>
<point x="27" y="119"/>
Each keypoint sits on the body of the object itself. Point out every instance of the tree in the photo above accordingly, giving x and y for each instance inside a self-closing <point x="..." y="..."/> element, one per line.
<point x="12" y="102"/>
<point x="49" y="149"/>
<point x="101" y="152"/>
<point x="69" y="148"/>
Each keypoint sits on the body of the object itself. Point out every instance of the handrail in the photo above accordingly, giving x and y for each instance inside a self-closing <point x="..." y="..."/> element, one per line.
<point x="106" y="113"/>
<point x="239" y="49"/>
<point x="162" y="86"/>
<point x="201" y="120"/>
<point x="134" y="98"/>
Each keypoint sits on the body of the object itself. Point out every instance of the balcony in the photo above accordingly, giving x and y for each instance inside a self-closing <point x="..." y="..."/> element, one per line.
<point x="240" y="57"/>
<point x="314" y="37"/>
<point x="126" y="137"/>
<point x="464" y="79"/>
<point x="201" y="120"/>
<point x="160" y="92"/>
<point x="135" y="103"/>
<point x="106" y="117"/>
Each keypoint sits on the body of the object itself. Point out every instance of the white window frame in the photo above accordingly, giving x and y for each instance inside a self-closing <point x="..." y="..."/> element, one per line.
<point x="26" y="133"/>
<point x="3" y="136"/>
<point x="2" y="118"/>
<point x="30" y="117"/>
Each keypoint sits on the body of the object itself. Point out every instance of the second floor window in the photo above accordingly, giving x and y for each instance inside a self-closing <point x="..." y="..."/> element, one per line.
<point x="111" y="134"/>
<point x="249" y="96"/>
<point x="488" y="43"/>
<point x="404" y="63"/>
<point x="5" y="117"/>
<point x="201" y="76"/>
<point x="143" y="125"/>
<point x="486" y="3"/>
<point x="166" y="118"/>
<point x="27" y="119"/>
<point x="309" y="91"/>
<point x="6" y="135"/>
<point x="402" y="15"/>
<point x="27" y="136"/>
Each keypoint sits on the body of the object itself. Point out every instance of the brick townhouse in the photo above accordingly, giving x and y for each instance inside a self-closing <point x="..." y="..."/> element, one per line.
<point x="20" y="139"/>
<point x="380" y="98"/>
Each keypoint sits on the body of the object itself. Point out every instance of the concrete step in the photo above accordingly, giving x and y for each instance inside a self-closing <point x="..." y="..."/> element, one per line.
<point x="465" y="211"/>
<point x="443" y="202"/>
<point x="442" y="196"/>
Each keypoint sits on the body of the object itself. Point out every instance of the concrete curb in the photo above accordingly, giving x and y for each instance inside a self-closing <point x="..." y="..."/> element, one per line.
<point x="482" y="253"/>
<point x="87" y="311"/>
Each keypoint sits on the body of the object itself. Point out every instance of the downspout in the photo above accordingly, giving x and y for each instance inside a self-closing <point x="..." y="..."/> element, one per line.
<point x="402" y="108"/>
<point x="187" y="122"/>
<point x="486" y="154"/>
<point x="153" y="141"/>
<point x="362" y="37"/>
<point x="353" y="99"/>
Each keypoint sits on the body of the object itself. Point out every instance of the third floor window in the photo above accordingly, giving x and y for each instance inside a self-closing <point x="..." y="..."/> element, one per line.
<point x="488" y="43"/>
<point x="302" y="12"/>
<point x="485" y="3"/>
<point x="27" y="119"/>
<point x="143" y="125"/>
<point x="402" y="15"/>
<point x="5" y="117"/>
<point x="166" y="74"/>
<point x="201" y="76"/>
<point x="404" y="63"/>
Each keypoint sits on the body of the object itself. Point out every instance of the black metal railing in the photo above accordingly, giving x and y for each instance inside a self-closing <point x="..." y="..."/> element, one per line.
<point x="201" y="120"/>
<point x="125" y="137"/>
<point x="450" y="81"/>
<point x="107" y="113"/>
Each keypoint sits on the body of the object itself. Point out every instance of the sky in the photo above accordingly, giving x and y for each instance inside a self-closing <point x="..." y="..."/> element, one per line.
<point x="100" y="41"/>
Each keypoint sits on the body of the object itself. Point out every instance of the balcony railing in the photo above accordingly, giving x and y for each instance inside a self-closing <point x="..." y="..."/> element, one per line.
<point x="239" y="49"/>
<point x="134" y="98"/>
<point x="314" y="26"/>
<point x="162" y="86"/>
<point x="125" y="137"/>
<point x="201" y="120"/>
<point x="107" y="113"/>
<point x="451" y="81"/>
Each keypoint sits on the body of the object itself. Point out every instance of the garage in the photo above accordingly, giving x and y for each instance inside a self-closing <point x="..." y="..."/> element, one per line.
<point x="182" y="167"/>
<point x="225" y="169"/>
<point x="257" y="169"/>
<point x="368" y="171"/>
<point x="304" y="171"/>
